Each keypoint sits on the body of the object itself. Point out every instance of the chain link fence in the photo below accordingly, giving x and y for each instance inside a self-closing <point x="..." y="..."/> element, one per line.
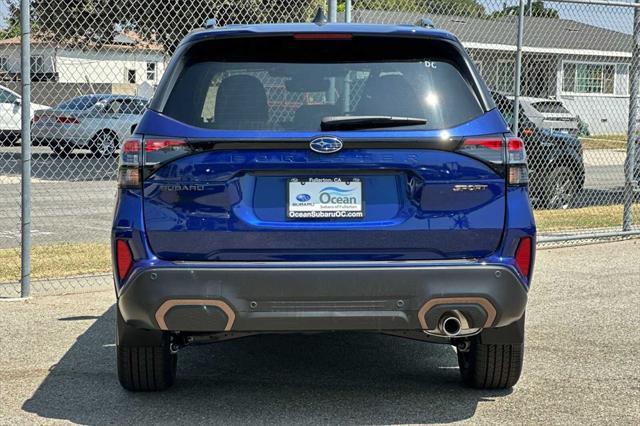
<point x="94" y="65"/>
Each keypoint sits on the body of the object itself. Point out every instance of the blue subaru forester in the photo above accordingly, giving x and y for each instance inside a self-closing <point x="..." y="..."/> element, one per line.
<point x="322" y="177"/>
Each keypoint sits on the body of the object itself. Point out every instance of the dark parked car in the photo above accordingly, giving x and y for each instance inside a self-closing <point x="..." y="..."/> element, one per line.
<point x="556" y="167"/>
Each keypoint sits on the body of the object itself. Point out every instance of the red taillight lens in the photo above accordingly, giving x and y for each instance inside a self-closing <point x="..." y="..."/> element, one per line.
<point x="67" y="120"/>
<point x="488" y="143"/>
<point x="124" y="258"/>
<point x="160" y="150"/>
<point x="131" y="146"/>
<point x="523" y="256"/>
<point x="490" y="149"/>
<point x="323" y="36"/>
<point x="152" y="145"/>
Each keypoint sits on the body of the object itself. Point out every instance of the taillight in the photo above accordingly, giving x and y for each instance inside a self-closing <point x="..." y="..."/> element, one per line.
<point x="523" y="256"/>
<point x="140" y="156"/>
<point x="498" y="150"/>
<point x="517" y="171"/>
<point x="63" y="119"/>
<point x="129" y="172"/>
<point x="124" y="258"/>
<point x="160" y="150"/>
<point x="490" y="149"/>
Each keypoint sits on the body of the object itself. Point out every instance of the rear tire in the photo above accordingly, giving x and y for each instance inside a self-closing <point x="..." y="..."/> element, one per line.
<point x="146" y="368"/>
<point x="104" y="144"/>
<point x="561" y="188"/>
<point x="491" y="366"/>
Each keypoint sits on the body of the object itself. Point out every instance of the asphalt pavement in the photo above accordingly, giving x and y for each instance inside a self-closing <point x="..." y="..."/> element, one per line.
<point x="581" y="363"/>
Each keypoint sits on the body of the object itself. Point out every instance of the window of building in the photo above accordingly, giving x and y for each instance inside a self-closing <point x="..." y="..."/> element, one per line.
<point x="505" y="76"/>
<point x="588" y="78"/>
<point x="131" y="76"/>
<point x="151" y="71"/>
<point x="37" y="65"/>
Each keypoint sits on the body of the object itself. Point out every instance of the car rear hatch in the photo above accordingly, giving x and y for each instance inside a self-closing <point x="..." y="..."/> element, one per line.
<point x="246" y="163"/>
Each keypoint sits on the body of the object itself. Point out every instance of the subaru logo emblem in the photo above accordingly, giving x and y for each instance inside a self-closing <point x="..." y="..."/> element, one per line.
<point x="303" y="197"/>
<point x="326" y="145"/>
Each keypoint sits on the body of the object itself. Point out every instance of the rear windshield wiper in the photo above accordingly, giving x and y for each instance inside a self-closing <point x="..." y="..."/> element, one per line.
<point x="353" y="122"/>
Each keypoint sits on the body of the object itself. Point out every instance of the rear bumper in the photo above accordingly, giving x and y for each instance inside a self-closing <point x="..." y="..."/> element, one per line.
<point x="302" y="297"/>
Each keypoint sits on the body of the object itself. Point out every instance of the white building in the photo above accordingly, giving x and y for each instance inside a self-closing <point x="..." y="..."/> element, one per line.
<point x="125" y="60"/>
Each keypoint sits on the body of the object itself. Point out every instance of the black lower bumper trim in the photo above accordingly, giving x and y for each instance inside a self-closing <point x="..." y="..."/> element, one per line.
<point x="210" y="299"/>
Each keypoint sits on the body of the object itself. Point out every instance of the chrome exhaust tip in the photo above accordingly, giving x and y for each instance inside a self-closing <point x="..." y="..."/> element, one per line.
<point x="450" y="325"/>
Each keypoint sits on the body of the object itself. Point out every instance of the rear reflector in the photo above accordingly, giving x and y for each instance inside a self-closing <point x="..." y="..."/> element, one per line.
<point x="523" y="256"/>
<point x="322" y="36"/>
<point x="124" y="258"/>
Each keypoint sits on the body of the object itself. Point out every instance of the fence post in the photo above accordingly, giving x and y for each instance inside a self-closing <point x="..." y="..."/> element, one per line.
<point x="347" y="11"/>
<point x="333" y="10"/>
<point x="632" y="132"/>
<point x="518" y="71"/>
<point x="25" y="196"/>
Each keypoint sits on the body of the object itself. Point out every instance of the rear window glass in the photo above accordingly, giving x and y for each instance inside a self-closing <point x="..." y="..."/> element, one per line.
<point x="550" y="107"/>
<point x="293" y="89"/>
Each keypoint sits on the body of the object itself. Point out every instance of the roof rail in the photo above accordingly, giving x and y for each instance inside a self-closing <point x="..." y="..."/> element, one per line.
<point x="211" y="23"/>
<point x="425" y="23"/>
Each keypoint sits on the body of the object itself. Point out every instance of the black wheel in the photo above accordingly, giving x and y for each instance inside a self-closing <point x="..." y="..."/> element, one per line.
<point x="561" y="188"/>
<point x="104" y="144"/>
<point x="61" y="148"/>
<point x="491" y="366"/>
<point x="9" y="138"/>
<point x="146" y="368"/>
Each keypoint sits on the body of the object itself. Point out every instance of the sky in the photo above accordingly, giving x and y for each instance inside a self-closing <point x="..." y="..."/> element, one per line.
<point x="611" y="17"/>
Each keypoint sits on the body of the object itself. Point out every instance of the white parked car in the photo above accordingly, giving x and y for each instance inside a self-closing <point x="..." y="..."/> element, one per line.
<point x="10" y="111"/>
<point x="96" y="122"/>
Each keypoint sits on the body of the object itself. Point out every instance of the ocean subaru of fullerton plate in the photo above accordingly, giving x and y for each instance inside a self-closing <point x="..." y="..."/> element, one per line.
<point x="324" y="198"/>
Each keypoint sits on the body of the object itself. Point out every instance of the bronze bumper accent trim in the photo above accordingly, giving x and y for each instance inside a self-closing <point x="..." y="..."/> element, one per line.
<point x="486" y="305"/>
<point x="166" y="306"/>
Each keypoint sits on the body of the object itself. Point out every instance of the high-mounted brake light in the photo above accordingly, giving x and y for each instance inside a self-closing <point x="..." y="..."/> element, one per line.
<point x="124" y="258"/>
<point x="523" y="256"/>
<point x="322" y="36"/>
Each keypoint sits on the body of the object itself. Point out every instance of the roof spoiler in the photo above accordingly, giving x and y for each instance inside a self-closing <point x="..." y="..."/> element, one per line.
<point x="425" y="23"/>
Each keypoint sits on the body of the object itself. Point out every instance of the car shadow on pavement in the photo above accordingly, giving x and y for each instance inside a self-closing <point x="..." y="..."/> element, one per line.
<point x="316" y="378"/>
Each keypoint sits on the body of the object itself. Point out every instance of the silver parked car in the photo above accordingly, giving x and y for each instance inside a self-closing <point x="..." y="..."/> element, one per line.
<point x="97" y="122"/>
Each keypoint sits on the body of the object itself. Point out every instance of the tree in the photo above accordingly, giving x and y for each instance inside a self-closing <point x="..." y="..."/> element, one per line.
<point x="95" y="22"/>
<point x="537" y="9"/>
<point x="12" y="21"/>
<point x="435" y="7"/>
